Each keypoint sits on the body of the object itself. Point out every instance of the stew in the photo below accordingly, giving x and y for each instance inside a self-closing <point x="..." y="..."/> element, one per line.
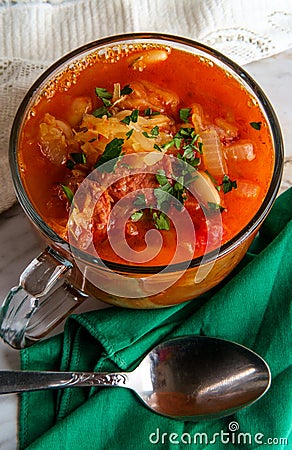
<point x="165" y="103"/>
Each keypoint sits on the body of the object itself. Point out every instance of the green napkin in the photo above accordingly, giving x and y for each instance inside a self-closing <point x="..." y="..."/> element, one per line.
<point x="251" y="307"/>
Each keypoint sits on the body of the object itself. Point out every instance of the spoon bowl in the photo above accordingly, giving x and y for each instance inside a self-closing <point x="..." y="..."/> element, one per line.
<point x="201" y="378"/>
<point x="187" y="378"/>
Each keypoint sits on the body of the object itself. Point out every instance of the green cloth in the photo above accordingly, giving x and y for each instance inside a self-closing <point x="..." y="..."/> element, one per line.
<point x="251" y="307"/>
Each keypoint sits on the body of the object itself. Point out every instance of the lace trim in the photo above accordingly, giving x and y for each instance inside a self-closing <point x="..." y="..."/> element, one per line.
<point x="241" y="36"/>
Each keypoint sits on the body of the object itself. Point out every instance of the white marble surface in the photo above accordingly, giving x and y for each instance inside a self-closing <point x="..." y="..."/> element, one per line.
<point x="18" y="244"/>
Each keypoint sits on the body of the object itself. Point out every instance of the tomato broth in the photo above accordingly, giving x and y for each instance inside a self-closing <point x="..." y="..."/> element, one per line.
<point x="153" y="99"/>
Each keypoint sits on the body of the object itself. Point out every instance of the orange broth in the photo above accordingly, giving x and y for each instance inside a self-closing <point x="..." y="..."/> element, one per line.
<point x="194" y="81"/>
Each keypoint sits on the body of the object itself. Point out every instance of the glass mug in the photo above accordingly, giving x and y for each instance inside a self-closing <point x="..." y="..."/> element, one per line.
<point x="62" y="276"/>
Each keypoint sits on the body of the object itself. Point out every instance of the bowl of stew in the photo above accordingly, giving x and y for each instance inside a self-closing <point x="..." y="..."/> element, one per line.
<point x="170" y="124"/>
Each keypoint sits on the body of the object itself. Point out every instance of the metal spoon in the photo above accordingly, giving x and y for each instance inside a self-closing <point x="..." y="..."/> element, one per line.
<point x="188" y="378"/>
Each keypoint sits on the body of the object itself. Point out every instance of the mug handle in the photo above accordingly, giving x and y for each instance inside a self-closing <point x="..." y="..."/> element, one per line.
<point x="43" y="299"/>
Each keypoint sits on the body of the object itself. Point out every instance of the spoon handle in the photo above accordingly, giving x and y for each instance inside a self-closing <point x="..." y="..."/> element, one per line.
<point x="12" y="381"/>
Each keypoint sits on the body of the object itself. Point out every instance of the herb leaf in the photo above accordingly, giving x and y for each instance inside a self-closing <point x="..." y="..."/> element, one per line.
<point x="256" y="125"/>
<point x="103" y="93"/>
<point x="185" y="137"/>
<point x="129" y="133"/>
<point x="184" y="114"/>
<point x="186" y="140"/>
<point x="133" y="117"/>
<point x="136" y="216"/>
<point x="162" y="179"/>
<point x="177" y="190"/>
<point x="156" y="147"/>
<point x="154" y="133"/>
<point x="105" y="96"/>
<point x="140" y="201"/>
<point x="227" y="184"/>
<point x="126" y="90"/>
<point x="102" y="111"/>
<point x="162" y="197"/>
<point x="106" y="102"/>
<point x="162" y="192"/>
<point x="67" y="191"/>
<point x="149" y="112"/>
<point x="161" y="221"/>
<point x="188" y="156"/>
<point x="112" y="151"/>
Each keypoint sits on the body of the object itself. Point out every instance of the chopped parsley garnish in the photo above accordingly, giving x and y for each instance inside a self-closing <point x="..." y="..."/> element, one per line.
<point x="188" y="156"/>
<point x="162" y="196"/>
<point x="162" y="179"/>
<point x="102" y="111"/>
<point x="129" y="133"/>
<point x="105" y="97"/>
<point x="149" y="112"/>
<point x="67" y="191"/>
<point x="177" y="190"/>
<point x="227" y="184"/>
<point x="136" y="216"/>
<point x="140" y="201"/>
<point x="112" y="151"/>
<point x="184" y="114"/>
<point x="126" y="90"/>
<point x="103" y="94"/>
<point x="153" y="133"/>
<point x="106" y="102"/>
<point x="256" y="125"/>
<point x="161" y="221"/>
<point x="133" y="117"/>
<point x="185" y="138"/>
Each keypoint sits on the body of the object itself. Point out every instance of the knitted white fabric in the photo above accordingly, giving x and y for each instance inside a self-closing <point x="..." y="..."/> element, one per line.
<point x="34" y="33"/>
